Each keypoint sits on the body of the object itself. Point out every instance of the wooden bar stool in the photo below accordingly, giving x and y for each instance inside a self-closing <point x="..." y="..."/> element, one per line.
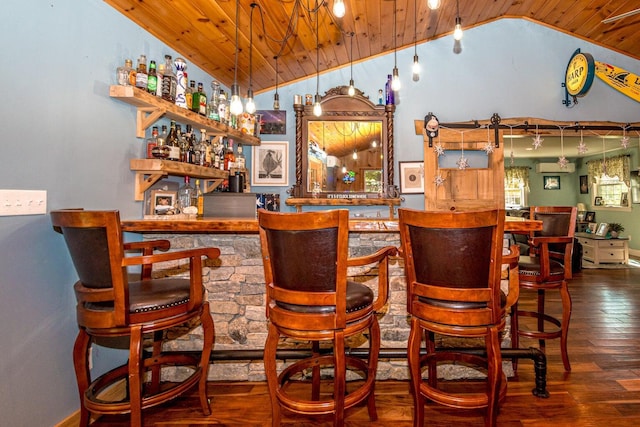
<point x="308" y="298"/>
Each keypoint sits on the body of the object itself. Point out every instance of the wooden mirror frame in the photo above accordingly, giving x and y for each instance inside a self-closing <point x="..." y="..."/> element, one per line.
<point x="338" y="105"/>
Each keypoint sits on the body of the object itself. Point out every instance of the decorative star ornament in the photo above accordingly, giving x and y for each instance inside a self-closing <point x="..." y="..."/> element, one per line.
<point x="537" y="142"/>
<point x="439" y="180"/>
<point x="624" y="142"/>
<point x="439" y="150"/>
<point x="462" y="163"/>
<point x="562" y="162"/>
<point x="582" y="147"/>
<point x="488" y="148"/>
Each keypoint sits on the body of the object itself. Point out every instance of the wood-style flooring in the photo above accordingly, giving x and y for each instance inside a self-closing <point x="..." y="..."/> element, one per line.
<point x="603" y="388"/>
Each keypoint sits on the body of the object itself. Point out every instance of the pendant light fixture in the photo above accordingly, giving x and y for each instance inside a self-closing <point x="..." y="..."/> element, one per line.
<point x="276" y="97"/>
<point x="457" y="31"/>
<point x="250" y="106"/>
<point x="433" y="4"/>
<point x="235" y="105"/>
<point x="338" y="8"/>
<point x="352" y="89"/>
<point x="415" y="69"/>
<point x="395" y="81"/>
<point x="317" y="108"/>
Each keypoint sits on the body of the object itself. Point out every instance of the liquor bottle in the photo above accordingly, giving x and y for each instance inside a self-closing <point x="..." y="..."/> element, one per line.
<point x="141" y="73"/>
<point x="182" y="144"/>
<point x="389" y="91"/>
<point x="200" y="100"/>
<point x="161" y="150"/>
<point x="229" y="156"/>
<point x="189" y="136"/>
<point x="186" y="195"/>
<point x="152" y="78"/>
<point x="216" y="148"/>
<point x="240" y="159"/>
<point x="152" y="142"/>
<point x="223" y="107"/>
<point x="160" y="74"/>
<point x="172" y="143"/>
<point x="123" y="73"/>
<point x="213" y="101"/>
<point x="200" y="149"/>
<point x="200" y="199"/>
<point x="169" y="81"/>
<point x="181" y="82"/>
<point x="190" y="91"/>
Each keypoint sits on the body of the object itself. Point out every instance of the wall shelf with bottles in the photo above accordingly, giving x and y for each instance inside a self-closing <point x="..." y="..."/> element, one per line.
<point x="299" y="202"/>
<point x="150" y="171"/>
<point x="151" y="108"/>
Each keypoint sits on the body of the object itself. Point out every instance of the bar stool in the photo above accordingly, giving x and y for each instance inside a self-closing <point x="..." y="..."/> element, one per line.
<point x="113" y="305"/>
<point x="308" y="298"/>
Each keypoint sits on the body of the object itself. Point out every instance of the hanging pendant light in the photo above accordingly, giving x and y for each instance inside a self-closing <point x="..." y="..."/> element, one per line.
<point x="338" y="8"/>
<point x="395" y="80"/>
<point x="415" y="69"/>
<point x="276" y="97"/>
<point x="235" y="105"/>
<point x="250" y="106"/>
<point x="457" y="31"/>
<point x="433" y="4"/>
<point x="317" y="108"/>
<point x="352" y="89"/>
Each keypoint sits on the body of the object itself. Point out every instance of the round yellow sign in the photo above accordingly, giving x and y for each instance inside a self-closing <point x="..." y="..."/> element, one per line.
<point x="579" y="74"/>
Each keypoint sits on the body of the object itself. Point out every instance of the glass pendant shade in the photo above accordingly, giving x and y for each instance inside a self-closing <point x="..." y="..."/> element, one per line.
<point x="235" y="105"/>
<point x="415" y="68"/>
<point x="317" y="108"/>
<point x="250" y="106"/>
<point x="338" y="8"/>
<point x="352" y="89"/>
<point x="457" y="32"/>
<point x="276" y="101"/>
<point x="395" y="81"/>
<point x="433" y="4"/>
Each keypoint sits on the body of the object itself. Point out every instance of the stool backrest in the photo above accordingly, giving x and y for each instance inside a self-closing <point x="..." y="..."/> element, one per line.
<point x="557" y="221"/>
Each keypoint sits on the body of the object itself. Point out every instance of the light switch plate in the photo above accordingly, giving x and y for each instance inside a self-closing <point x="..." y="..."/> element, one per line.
<point x="23" y="202"/>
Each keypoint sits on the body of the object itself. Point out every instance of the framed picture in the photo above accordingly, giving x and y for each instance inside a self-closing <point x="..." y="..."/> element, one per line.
<point x="590" y="216"/>
<point x="598" y="201"/>
<point x="602" y="229"/>
<point x="163" y="202"/>
<point x="592" y="226"/>
<point x="624" y="199"/>
<point x="551" y="182"/>
<point x="270" y="163"/>
<point x="272" y="122"/>
<point x="584" y="184"/>
<point x="411" y="177"/>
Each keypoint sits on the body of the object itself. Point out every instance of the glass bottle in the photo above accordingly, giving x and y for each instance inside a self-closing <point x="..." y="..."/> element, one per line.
<point x="229" y="156"/>
<point x="389" y="98"/>
<point x="152" y="78"/>
<point x="172" y="143"/>
<point x="200" y="149"/>
<point x="141" y="73"/>
<point x="169" y="81"/>
<point x="200" y="199"/>
<point x="240" y="159"/>
<point x="186" y="195"/>
<point x="223" y="107"/>
<point x="182" y="144"/>
<point x="216" y="148"/>
<point x="161" y="150"/>
<point x="213" y="102"/>
<point x="191" y="90"/>
<point x="200" y="100"/>
<point x="123" y="73"/>
<point x="152" y="142"/>
<point x="160" y="74"/>
<point x="181" y="82"/>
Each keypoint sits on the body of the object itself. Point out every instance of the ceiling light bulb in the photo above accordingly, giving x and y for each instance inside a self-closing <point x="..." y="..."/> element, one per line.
<point x="415" y="69"/>
<point x="276" y="101"/>
<point x="433" y="4"/>
<point x="352" y="89"/>
<point x="344" y="169"/>
<point x="457" y="32"/>
<point x="395" y="81"/>
<point x="355" y="155"/>
<point x="250" y="106"/>
<point x="235" y="104"/>
<point x="374" y="144"/>
<point x="338" y="8"/>
<point x="317" y="108"/>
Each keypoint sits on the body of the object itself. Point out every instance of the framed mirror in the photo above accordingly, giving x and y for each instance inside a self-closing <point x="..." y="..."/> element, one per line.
<point x="347" y="151"/>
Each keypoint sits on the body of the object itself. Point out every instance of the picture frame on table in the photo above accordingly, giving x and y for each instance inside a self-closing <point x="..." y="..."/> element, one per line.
<point x="598" y="201"/>
<point x="411" y="177"/>
<point x="551" y="182"/>
<point x="163" y="202"/>
<point x="270" y="164"/>
<point x="592" y="227"/>
<point x="590" y="216"/>
<point x="602" y="230"/>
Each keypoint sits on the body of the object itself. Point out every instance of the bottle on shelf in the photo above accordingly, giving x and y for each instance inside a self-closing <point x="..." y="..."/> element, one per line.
<point x="182" y="144"/>
<point x="200" y="149"/>
<point x="152" y="78"/>
<point x="160" y="74"/>
<point x="189" y="92"/>
<point x="223" y="107"/>
<point x="152" y="142"/>
<point x="240" y="159"/>
<point x="229" y="156"/>
<point x="169" y="81"/>
<point x="141" y="73"/>
<point x="217" y="148"/>
<point x="200" y="199"/>
<point x="123" y="73"/>
<point x="186" y="196"/>
<point x="200" y="100"/>
<point x="161" y="150"/>
<point x="172" y="143"/>
<point x="212" y="109"/>
<point x="181" y="82"/>
<point x="389" y="97"/>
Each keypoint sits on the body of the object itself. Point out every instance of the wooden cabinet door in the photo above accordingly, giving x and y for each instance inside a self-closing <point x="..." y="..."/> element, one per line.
<point x="472" y="188"/>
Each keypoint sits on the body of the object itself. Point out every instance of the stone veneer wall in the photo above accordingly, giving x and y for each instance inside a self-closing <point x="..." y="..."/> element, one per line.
<point x="235" y="285"/>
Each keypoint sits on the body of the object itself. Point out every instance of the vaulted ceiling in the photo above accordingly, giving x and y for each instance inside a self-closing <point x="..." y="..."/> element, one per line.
<point x="204" y="31"/>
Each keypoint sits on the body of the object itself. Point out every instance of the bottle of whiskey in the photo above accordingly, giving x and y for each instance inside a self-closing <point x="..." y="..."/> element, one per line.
<point x="152" y="142"/>
<point x="229" y="156"/>
<point x="141" y="73"/>
<point x="172" y="143"/>
<point x="123" y="73"/>
<point x="169" y="81"/>
<point x="240" y="159"/>
<point x="161" y="150"/>
<point x="200" y="199"/>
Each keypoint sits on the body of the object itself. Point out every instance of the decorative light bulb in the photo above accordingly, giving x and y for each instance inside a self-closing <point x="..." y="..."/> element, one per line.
<point x="433" y="4"/>
<point x="250" y="106"/>
<point x="352" y="89"/>
<point x="395" y="81"/>
<point x="415" y="69"/>
<point x="276" y="101"/>
<point x="317" y="108"/>
<point x="355" y="155"/>
<point x="235" y="104"/>
<point x="344" y="169"/>
<point x="374" y="144"/>
<point x="457" y="31"/>
<point x="338" y="8"/>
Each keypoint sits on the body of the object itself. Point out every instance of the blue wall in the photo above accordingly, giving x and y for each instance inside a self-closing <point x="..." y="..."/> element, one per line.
<point x="62" y="133"/>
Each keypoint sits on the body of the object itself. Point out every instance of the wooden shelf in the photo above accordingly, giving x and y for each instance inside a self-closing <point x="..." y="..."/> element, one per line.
<point x="299" y="202"/>
<point x="150" y="171"/>
<point x="151" y="108"/>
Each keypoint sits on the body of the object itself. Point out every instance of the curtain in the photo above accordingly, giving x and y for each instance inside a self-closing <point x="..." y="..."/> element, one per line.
<point x="514" y="175"/>
<point x="613" y="166"/>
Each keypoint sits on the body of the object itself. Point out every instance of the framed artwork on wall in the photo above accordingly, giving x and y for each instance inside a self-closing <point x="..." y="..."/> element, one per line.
<point x="270" y="163"/>
<point x="590" y="216"/>
<point x="411" y="177"/>
<point x="551" y="182"/>
<point x="272" y="122"/>
<point x="584" y="184"/>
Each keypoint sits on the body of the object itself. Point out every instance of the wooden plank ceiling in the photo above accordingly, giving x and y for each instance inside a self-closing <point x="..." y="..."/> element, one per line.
<point x="204" y="31"/>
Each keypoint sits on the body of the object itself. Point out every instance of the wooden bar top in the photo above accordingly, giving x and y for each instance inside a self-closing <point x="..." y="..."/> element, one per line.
<point x="250" y="226"/>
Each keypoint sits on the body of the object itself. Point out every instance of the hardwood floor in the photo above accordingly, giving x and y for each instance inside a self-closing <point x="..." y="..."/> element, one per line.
<point x="603" y="388"/>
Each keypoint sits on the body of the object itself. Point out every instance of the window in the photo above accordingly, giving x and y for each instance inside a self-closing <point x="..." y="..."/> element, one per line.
<point x="611" y="180"/>
<point x="516" y="187"/>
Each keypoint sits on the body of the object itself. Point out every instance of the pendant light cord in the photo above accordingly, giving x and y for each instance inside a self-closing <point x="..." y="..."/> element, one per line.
<point x="317" y="50"/>
<point x="235" y="69"/>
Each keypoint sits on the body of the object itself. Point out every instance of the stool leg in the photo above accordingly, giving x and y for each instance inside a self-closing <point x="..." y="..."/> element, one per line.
<point x="315" y="371"/>
<point x="83" y="376"/>
<point x="515" y="338"/>
<point x="339" y="381"/>
<point x="413" y="356"/>
<point x="208" y="332"/>
<point x="135" y="376"/>
<point x="541" y="296"/>
<point x="154" y="386"/>
<point x="494" y="376"/>
<point x="269" y="358"/>
<point x="566" y="317"/>
<point x="374" y="349"/>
